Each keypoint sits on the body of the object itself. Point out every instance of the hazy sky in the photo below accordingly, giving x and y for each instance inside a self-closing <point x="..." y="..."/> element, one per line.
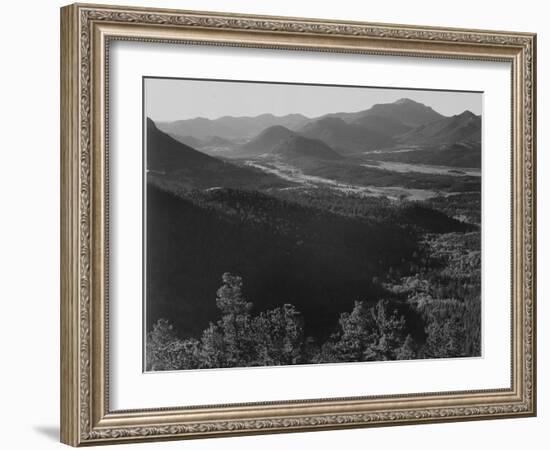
<point x="173" y="99"/>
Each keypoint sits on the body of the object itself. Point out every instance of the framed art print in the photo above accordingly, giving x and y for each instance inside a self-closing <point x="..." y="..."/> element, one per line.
<point x="274" y="224"/>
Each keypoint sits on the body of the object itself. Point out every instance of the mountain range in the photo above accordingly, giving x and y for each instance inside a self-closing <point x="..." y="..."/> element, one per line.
<point x="383" y="126"/>
<point x="229" y="127"/>
<point x="458" y="128"/>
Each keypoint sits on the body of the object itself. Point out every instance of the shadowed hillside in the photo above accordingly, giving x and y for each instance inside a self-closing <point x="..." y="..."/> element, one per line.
<point x="318" y="261"/>
<point x="171" y="160"/>
<point x="289" y="252"/>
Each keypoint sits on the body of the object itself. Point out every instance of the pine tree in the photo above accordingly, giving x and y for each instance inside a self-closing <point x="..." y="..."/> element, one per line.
<point x="445" y="338"/>
<point x="368" y="334"/>
<point x="229" y="342"/>
<point x="161" y="347"/>
<point x="279" y="337"/>
<point x="391" y="329"/>
<point x="358" y="333"/>
<point x="212" y="351"/>
<point x="229" y="297"/>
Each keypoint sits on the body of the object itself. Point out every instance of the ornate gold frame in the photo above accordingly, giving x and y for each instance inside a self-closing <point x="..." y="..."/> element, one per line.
<point x="86" y="31"/>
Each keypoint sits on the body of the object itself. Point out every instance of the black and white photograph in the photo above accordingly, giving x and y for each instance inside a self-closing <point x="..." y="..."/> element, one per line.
<point x="291" y="224"/>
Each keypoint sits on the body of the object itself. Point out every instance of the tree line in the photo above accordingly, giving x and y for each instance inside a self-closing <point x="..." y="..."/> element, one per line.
<point x="370" y="332"/>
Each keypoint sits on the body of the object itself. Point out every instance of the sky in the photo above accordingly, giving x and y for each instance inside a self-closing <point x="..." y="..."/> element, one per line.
<point x="178" y="99"/>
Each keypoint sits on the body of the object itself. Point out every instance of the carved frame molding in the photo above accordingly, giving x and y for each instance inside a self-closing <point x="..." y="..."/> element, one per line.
<point x="86" y="31"/>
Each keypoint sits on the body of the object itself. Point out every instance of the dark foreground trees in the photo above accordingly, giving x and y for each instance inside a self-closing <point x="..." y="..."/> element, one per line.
<point x="237" y="339"/>
<point x="375" y="333"/>
<point x="370" y="332"/>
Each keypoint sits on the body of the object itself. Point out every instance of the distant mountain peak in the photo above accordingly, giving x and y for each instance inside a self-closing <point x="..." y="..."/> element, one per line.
<point x="467" y="113"/>
<point x="274" y="132"/>
<point x="407" y="111"/>
<point x="467" y="117"/>
<point x="404" y="101"/>
<point x="275" y="129"/>
<point x="266" y="140"/>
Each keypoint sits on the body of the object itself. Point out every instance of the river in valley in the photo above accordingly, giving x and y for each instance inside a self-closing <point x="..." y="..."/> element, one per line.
<point x="291" y="173"/>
